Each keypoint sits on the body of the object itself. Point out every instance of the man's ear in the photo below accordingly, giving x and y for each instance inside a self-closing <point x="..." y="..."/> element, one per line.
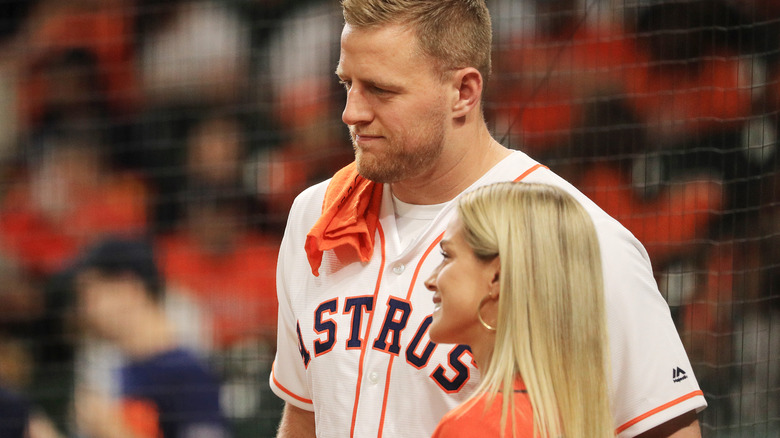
<point x="467" y="83"/>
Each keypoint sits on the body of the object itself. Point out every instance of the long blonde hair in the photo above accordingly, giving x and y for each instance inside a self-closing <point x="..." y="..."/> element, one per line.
<point x="551" y="323"/>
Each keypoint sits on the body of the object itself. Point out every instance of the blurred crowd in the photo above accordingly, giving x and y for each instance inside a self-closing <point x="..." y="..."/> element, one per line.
<point x="191" y="125"/>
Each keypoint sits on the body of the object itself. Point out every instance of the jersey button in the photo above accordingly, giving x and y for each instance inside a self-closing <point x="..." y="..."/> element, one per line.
<point x="373" y="377"/>
<point x="398" y="268"/>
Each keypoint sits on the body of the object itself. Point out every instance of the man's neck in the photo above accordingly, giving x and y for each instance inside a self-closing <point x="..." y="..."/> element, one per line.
<point x="456" y="171"/>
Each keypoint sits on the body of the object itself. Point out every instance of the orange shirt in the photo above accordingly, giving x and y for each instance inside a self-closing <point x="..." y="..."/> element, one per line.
<point x="237" y="289"/>
<point x="478" y="419"/>
<point x="717" y="96"/>
<point x="667" y="225"/>
<point x="556" y="77"/>
<point x="43" y="243"/>
<point x="106" y="33"/>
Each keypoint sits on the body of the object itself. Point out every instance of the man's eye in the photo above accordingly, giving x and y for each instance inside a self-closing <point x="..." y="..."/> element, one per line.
<point x="380" y="91"/>
<point x="346" y="84"/>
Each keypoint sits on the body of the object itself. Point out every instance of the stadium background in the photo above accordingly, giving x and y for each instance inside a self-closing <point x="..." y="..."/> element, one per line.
<point x="196" y="122"/>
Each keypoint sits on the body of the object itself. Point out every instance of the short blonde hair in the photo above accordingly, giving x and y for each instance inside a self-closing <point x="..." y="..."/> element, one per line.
<point x="454" y="33"/>
<point x="551" y="328"/>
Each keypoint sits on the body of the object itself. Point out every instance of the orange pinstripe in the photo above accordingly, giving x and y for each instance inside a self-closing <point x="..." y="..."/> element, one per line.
<point x="287" y="391"/>
<point x="408" y="297"/>
<point x="368" y="330"/>
<point x="658" y="409"/>
<point x="529" y="171"/>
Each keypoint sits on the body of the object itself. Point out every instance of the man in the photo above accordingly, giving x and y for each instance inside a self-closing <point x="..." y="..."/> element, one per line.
<point x="165" y="389"/>
<point x="354" y="358"/>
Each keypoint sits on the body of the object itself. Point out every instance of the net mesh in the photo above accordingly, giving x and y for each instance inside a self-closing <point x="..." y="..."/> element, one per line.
<point x="194" y="123"/>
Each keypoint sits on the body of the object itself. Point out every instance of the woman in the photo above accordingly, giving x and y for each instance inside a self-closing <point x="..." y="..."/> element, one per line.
<point x="521" y="284"/>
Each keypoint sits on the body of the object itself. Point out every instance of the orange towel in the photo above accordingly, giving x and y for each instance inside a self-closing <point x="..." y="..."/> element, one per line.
<point x="350" y="214"/>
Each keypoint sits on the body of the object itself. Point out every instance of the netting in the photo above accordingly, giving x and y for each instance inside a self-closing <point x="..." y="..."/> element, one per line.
<point x="665" y="114"/>
<point x="194" y="123"/>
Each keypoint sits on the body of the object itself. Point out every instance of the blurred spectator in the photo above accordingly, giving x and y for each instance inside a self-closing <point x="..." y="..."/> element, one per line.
<point x="216" y="256"/>
<point x="701" y="92"/>
<point x="203" y="144"/>
<point x="301" y="56"/>
<point x="670" y="224"/>
<point x="64" y="85"/>
<point x="228" y="269"/>
<point x="79" y="62"/>
<point x="544" y="78"/>
<point x="690" y="78"/>
<point x="192" y="51"/>
<point x="215" y="150"/>
<point x="68" y="197"/>
<point x="608" y="162"/>
<point x="166" y="391"/>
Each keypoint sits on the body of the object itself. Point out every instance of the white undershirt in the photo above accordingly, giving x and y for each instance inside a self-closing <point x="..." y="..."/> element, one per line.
<point x="412" y="219"/>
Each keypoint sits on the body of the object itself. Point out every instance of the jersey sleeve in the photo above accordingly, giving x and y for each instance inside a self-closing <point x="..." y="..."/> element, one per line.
<point x="288" y="376"/>
<point x="653" y="381"/>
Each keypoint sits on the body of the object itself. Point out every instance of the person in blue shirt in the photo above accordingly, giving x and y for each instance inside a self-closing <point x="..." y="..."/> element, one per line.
<point x="166" y="390"/>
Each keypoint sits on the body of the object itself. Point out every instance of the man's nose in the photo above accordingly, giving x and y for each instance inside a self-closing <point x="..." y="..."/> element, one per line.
<point x="357" y="109"/>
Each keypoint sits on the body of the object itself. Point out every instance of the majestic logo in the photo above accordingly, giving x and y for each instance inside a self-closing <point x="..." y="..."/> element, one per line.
<point x="678" y="375"/>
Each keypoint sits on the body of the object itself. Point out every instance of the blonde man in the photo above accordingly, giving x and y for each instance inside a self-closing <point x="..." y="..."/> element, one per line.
<point x="521" y="283"/>
<point x="354" y="358"/>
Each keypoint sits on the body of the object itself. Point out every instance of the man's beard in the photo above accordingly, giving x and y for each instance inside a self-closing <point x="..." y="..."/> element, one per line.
<point x="398" y="161"/>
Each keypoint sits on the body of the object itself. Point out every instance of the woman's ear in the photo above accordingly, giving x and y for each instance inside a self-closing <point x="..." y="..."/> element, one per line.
<point x="495" y="282"/>
<point x="468" y="85"/>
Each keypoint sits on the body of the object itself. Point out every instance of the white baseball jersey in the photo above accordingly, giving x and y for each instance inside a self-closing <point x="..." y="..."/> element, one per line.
<point x="353" y="343"/>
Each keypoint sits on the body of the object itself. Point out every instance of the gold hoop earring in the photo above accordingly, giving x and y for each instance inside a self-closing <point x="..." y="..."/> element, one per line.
<point x="479" y="314"/>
